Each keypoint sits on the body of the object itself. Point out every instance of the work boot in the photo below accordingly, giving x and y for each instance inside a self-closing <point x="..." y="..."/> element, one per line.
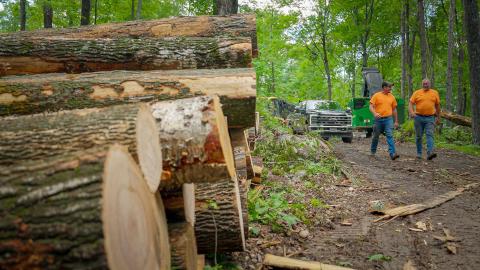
<point x="431" y="156"/>
<point x="394" y="156"/>
<point x="419" y="157"/>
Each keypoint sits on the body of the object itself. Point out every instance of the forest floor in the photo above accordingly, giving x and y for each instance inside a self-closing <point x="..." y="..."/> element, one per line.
<point x="343" y="232"/>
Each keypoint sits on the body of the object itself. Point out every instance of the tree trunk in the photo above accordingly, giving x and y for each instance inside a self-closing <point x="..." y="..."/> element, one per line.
<point x="54" y="92"/>
<point x="139" y="10"/>
<point x="456" y="118"/>
<point x="96" y="11"/>
<point x="461" y="91"/>
<point x="326" y="65"/>
<point x="234" y="26"/>
<point x="47" y="14"/>
<point x="410" y="64"/>
<point x="36" y="137"/>
<point x="132" y="10"/>
<point x="451" y="41"/>
<point x="472" y="29"/>
<point x="226" y="7"/>
<point x="404" y="52"/>
<point x="196" y="143"/>
<point x="23" y="15"/>
<point x="219" y="223"/>
<point x="65" y="214"/>
<point x="423" y="38"/>
<point x="85" y="15"/>
<point x="183" y="246"/>
<point x="26" y="55"/>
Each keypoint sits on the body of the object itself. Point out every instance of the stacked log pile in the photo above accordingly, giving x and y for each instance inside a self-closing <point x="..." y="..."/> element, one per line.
<point x="125" y="160"/>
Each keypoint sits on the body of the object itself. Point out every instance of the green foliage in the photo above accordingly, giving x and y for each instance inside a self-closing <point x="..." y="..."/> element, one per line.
<point x="379" y="257"/>
<point x="273" y="210"/>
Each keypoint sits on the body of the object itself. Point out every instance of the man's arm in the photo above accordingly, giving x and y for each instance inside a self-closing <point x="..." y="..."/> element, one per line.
<point x="395" y="117"/>
<point x="372" y="110"/>
<point x="410" y="110"/>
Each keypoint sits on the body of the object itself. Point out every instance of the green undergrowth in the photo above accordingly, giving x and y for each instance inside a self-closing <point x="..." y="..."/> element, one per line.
<point x="456" y="138"/>
<point x="293" y="166"/>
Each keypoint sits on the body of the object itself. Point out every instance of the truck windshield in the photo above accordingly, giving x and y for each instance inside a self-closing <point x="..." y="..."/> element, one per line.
<point x="324" y="105"/>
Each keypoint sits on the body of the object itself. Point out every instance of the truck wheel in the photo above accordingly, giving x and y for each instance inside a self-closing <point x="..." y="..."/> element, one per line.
<point x="347" y="139"/>
<point x="369" y="133"/>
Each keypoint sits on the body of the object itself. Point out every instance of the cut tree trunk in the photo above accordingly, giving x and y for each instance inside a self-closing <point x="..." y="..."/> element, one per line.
<point x="75" y="55"/>
<point x="183" y="246"/>
<point x="40" y="136"/>
<point x="180" y="205"/>
<point x="54" y="92"/>
<point x="84" y="210"/>
<point x="456" y="118"/>
<point x="218" y="217"/>
<point x="196" y="143"/>
<point x="241" y="25"/>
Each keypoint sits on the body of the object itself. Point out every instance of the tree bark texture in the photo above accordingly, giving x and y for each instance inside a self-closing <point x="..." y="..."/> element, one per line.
<point x="47" y="14"/>
<point x="85" y="13"/>
<point x="461" y="91"/>
<point x="233" y="26"/>
<point x="218" y="216"/>
<point x="183" y="246"/>
<point x="404" y="52"/>
<point x="36" y="137"/>
<point x="54" y="92"/>
<point x="226" y="7"/>
<point x="472" y="29"/>
<point x="423" y="38"/>
<point x="75" y="55"/>
<point x="196" y="146"/>
<point x="23" y="15"/>
<point x="56" y="215"/>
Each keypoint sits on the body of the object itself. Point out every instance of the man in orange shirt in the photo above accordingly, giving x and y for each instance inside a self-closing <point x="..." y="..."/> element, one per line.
<point x="427" y="108"/>
<point x="383" y="106"/>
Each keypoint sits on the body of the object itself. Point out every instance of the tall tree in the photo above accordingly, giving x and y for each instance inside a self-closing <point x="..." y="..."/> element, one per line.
<point x="423" y="38"/>
<point x="472" y="31"/>
<point x="404" y="51"/>
<point x="225" y="7"/>
<point x="96" y="10"/>
<point x="47" y="14"/>
<point x="85" y="19"/>
<point x="23" y="14"/>
<point x="139" y="10"/>
<point x="132" y="10"/>
<point x="461" y="91"/>
<point x="451" y="41"/>
<point x="363" y="21"/>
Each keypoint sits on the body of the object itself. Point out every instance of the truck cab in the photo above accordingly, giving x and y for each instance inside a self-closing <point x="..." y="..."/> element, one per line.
<point x="327" y="118"/>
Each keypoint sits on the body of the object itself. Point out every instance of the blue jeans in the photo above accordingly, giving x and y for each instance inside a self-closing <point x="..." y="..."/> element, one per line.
<point x="383" y="125"/>
<point x="424" y="124"/>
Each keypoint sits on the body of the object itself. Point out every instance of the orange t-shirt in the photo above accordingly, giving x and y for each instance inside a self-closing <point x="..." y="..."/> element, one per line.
<point x="425" y="101"/>
<point x="384" y="104"/>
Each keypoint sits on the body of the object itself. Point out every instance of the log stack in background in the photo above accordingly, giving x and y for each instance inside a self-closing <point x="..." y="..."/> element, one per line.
<point x="177" y="186"/>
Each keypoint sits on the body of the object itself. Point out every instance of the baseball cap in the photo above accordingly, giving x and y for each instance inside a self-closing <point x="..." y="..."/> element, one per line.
<point x="385" y="83"/>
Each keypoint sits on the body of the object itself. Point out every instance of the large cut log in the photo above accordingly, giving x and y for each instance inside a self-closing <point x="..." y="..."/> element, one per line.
<point x="20" y="56"/>
<point x="53" y="92"/>
<point x="180" y="205"/>
<point x="218" y="217"/>
<point x="456" y="118"/>
<point x="196" y="146"/>
<point x="36" y="137"/>
<point x="183" y="246"/>
<point x="86" y="210"/>
<point x="234" y="26"/>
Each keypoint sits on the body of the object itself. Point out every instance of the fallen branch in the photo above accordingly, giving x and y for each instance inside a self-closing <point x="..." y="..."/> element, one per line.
<point x="419" y="207"/>
<point x="456" y="118"/>
<point x="288" y="263"/>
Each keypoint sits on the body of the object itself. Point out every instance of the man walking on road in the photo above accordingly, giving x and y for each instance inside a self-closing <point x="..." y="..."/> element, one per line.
<point x="426" y="115"/>
<point x="383" y="106"/>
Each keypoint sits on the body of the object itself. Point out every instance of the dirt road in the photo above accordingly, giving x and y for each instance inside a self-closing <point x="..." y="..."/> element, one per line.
<point x="401" y="182"/>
